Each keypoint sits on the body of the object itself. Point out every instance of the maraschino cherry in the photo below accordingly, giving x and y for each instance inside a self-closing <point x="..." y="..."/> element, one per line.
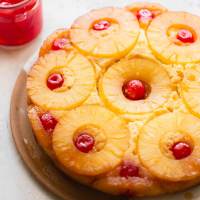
<point x="60" y="43"/>
<point x="144" y="14"/>
<point x="48" y="122"/>
<point x="101" y="25"/>
<point x="55" y="81"/>
<point x="181" y="150"/>
<point x="84" y="142"/>
<point x="185" y="36"/>
<point x="128" y="169"/>
<point x="134" y="90"/>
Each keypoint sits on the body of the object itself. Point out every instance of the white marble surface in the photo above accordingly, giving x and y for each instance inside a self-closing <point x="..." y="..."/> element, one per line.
<point x="16" y="183"/>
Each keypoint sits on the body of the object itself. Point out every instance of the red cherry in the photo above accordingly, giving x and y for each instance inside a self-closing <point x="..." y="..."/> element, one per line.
<point x="129" y="170"/>
<point x="185" y="36"/>
<point x="55" y="81"/>
<point x="134" y="90"/>
<point x="101" y="25"/>
<point x="84" y="142"/>
<point x="60" y="43"/>
<point x="48" y="122"/>
<point x="144" y="14"/>
<point x="181" y="150"/>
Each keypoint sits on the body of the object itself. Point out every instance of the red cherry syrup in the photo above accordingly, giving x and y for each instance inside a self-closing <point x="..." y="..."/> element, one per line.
<point x="20" y="21"/>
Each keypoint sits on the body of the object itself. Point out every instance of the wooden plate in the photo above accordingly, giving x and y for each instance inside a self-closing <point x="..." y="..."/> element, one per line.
<point x="34" y="157"/>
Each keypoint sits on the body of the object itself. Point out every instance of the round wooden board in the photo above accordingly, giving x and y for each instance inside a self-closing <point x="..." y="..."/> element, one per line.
<point x="36" y="160"/>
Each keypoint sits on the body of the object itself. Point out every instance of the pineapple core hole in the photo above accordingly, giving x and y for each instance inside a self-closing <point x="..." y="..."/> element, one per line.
<point x="104" y="27"/>
<point x="181" y="150"/>
<point x="144" y="14"/>
<point x="95" y="132"/>
<point x="181" y="35"/>
<point x="135" y="89"/>
<point x="67" y="82"/>
<point x="176" y="145"/>
<point x="55" y="81"/>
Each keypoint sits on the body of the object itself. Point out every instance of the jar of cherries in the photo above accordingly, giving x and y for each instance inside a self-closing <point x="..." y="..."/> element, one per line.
<point x="20" y="21"/>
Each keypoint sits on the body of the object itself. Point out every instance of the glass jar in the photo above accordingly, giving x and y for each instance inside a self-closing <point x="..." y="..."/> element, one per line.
<point x="20" y="21"/>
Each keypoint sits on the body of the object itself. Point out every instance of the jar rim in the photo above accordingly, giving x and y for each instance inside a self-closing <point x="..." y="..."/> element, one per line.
<point x="16" y="5"/>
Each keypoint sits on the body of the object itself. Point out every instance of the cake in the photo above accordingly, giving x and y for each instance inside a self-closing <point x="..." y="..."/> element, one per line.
<point x="114" y="100"/>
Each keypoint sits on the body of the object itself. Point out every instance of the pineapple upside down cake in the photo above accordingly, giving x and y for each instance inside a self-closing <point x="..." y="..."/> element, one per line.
<point x="115" y="99"/>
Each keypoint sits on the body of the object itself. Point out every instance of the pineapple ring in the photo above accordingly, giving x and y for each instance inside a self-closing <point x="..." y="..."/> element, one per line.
<point x="45" y="140"/>
<point x="189" y="89"/>
<point x="171" y="138"/>
<point x="137" y="67"/>
<point x="164" y="47"/>
<point x="79" y="74"/>
<point x="116" y="41"/>
<point x="96" y="132"/>
<point x="155" y="8"/>
<point x="95" y="162"/>
<point x="150" y="146"/>
<point x="47" y="44"/>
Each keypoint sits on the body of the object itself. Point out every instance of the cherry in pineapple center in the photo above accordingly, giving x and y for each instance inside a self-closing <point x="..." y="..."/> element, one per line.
<point x="185" y="36"/>
<point x="145" y="14"/>
<point x="135" y="89"/>
<point x="101" y="25"/>
<point x="181" y="150"/>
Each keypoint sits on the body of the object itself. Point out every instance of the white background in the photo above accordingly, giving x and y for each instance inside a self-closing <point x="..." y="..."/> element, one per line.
<point x="16" y="182"/>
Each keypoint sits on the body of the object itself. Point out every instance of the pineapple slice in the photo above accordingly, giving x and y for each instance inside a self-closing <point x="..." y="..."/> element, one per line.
<point x="139" y="68"/>
<point x="146" y="12"/>
<point x="107" y="32"/>
<point x="110" y="140"/>
<point x="190" y="87"/>
<point x="57" y="40"/>
<point x="174" y="37"/>
<point x="45" y="139"/>
<point x="78" y="80"/>
<point x="171" y="142"/>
